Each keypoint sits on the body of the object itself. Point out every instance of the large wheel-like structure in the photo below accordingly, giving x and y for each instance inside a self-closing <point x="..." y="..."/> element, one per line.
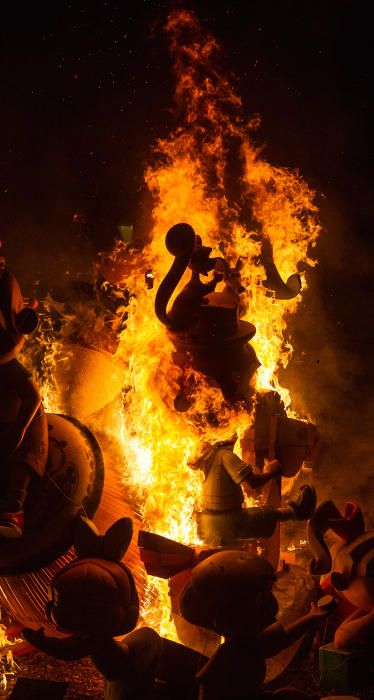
<point x="74" y="483"/>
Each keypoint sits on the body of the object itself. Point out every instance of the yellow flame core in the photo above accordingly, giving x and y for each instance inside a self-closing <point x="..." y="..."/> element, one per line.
<point x="188" y="182"/>
<point x="191" y="181"/>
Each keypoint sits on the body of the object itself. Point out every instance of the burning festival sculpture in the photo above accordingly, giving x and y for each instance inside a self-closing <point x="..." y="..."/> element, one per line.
<point x="271" y="217"/>
<point x="230" y="593"/>
<point x="205" y="324"/>
<point x="209" y="369"/>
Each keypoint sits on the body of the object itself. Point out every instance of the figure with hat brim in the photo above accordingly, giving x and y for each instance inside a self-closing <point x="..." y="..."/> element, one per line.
<point x="23" y="424"/>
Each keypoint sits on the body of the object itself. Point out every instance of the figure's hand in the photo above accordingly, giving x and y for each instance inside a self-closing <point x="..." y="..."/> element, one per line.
<point x="217" y="276"/>
<point x="12" y="438"/>
<point x="318" y="612"/>
<point x="273" y="468"/>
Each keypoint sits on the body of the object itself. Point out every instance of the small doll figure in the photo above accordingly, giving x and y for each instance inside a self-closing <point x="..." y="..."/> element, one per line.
<point x="230" y="593"/>
<point x="23" y="424"/>
<point x="347" y="566"/>
<point x="223" y="520"/>
<point x="94" y="599"/>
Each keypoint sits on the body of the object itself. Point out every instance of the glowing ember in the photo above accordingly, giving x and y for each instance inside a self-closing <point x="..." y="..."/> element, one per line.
<point x="8" y="667"/>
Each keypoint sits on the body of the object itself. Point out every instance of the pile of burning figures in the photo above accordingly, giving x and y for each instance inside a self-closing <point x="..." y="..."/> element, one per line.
<point x="58" y="572"/>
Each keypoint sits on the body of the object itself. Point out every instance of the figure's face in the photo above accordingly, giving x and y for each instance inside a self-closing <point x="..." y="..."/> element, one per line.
<point x="200" y="261"/>
<point x="361" y="593"/>
<point x="92" y="597"/>
<point x="253" y="616"/>
<point x="261" y="614"/>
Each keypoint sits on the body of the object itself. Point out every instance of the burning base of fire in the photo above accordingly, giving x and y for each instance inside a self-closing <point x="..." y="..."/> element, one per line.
<point x="8" y="665"/>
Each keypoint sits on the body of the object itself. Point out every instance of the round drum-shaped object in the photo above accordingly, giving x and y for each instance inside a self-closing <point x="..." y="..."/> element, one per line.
<point x="86" y="379"/>
<point x="73" y="483"/>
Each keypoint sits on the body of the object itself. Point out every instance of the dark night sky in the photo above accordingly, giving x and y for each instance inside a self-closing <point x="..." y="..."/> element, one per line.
<point x="86" y="87"/>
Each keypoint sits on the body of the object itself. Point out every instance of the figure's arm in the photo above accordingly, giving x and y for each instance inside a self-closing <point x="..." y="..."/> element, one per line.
<point x="244" y="474"/>
<point x="111" y="658"/>
<point x="30" y="397"/>
<point x="68" y="648"/>
<point x="256" y="480"/>
<point x="210" y="286"/>
<point x="277" y="637"/>
<point x="355" y="629"/>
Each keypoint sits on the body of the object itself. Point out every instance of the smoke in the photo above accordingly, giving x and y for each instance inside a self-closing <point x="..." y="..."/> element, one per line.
<point x="330" y="375"/>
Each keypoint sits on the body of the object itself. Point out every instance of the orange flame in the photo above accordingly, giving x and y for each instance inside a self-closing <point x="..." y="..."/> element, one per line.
<point x="191" y="180"/>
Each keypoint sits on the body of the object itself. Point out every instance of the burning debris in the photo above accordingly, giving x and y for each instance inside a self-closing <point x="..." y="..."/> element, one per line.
<point x="8" y="666"/>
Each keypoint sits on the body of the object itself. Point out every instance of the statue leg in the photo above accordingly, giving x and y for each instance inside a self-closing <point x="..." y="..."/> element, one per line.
<point x="11" y="515"/>
<point x="17" y="487"/>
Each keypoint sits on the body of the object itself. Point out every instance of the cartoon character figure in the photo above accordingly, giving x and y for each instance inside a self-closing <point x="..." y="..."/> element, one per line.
<point x="94" y="599"/>
<point x="203" y="324"/>
<point x="230" y="593"/>
<point x="223" y="520"/>
<point x="349" y="565"/>
<point x="23" y="424"/>
<point x="189" y="251"/>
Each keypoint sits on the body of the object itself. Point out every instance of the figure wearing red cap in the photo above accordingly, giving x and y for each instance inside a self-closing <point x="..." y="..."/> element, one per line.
<point x="349" y="567"/>
<point x="23" y="424"/>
